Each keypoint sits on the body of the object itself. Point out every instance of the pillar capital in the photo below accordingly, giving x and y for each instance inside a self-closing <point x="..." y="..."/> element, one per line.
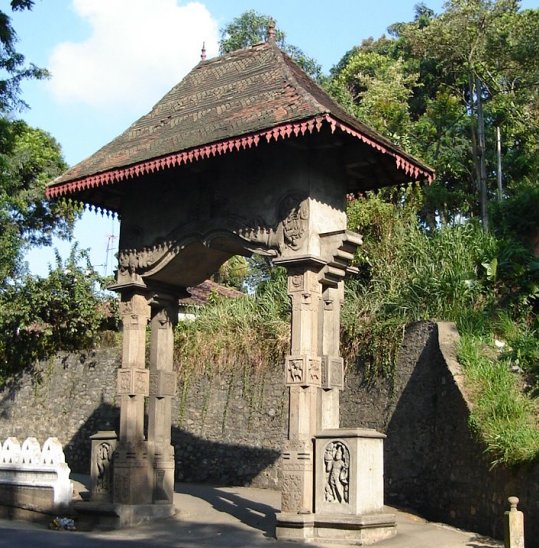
<point x="164" y="310"/>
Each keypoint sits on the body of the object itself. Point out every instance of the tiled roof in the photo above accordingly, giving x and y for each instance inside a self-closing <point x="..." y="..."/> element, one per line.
<point x="199" y="295"/>
<point x="226" y="103"/>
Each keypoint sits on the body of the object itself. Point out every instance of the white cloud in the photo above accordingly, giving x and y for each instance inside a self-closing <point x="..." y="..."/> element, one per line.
<point x="137" y="50"/>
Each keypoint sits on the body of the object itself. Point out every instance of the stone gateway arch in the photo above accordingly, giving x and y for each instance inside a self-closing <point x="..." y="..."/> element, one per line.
<point x="245" y="155"/>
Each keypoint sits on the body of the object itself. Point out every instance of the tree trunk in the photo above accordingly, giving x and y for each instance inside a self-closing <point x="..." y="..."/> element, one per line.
<point x="481" y="152"/>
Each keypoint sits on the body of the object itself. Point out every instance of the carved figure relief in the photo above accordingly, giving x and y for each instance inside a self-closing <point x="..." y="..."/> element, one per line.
<point x="295" y="213"/>
<point x="140" y="383"/>
<point x="314" y="371"/>
<point x="103" y="466"/>
<point x="336" y="467"/>
<point x="124" y="382"/>
<point x="295" y="370"/>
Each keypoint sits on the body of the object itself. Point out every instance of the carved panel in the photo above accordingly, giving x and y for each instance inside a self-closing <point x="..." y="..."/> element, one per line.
<point x="332" y="372"/>
<point x="162" y="383"/>
<point x="295" y="475"/>
<point x="133" y="382"/>
<point x="315" y="372"/>
<point x="295" y="370"/>
<point x="303" y="371"/>
<point x="291" y="491"/>
<point x="336" y="472"/>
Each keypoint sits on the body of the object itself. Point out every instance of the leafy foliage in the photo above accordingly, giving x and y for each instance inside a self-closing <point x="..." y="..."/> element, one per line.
<point x="64" y="311"/>
<point x="12" y="63"/>
<point x="487" y="284"/>
<point x="420" y="87"/>
<point x="409" y="274"/>
<point x="29" y="158"/>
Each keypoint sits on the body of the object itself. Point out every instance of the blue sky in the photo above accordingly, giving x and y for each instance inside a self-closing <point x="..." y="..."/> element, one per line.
<point x="111" y="60"/>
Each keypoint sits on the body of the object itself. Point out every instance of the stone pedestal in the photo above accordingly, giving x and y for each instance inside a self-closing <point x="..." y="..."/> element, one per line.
<point x="349" y="492"/>
<point x="349" y="472"/>
<point x="104" y="444"/>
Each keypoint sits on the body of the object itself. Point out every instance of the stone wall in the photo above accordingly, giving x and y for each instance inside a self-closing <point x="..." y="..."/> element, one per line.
<point x="229" y="429"/>
<point x="433" y="464"/>
<point x="69" y="397"/>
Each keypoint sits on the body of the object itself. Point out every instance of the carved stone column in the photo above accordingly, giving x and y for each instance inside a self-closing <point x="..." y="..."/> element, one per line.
<point x="162" y="390"/>
<point x="332" y="363"/>
<point x="131" y="472"/>
<point x="303" y="377"/>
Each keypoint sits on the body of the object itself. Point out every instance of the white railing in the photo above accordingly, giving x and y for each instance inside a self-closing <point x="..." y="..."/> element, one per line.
<point x="30" y="465"/>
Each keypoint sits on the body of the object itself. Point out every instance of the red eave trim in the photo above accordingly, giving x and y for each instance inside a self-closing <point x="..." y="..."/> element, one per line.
<point x="283" y="131"/>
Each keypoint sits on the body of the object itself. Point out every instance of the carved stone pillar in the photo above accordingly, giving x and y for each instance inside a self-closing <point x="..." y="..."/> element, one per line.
<point x="332" y="363"/>
<point x="131" y="472"/>
<point x="303" y="377"/>
<point x="162" y="390"/>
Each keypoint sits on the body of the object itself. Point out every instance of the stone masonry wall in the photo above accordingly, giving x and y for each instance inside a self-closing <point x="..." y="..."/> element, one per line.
<point x="229" y="429"/>
<point x="433" y="464"/>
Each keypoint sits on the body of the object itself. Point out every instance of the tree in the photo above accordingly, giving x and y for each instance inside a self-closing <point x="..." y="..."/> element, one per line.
<point x="484" y="53"/>
<point x="12" y="63"/>
<point x="251" y="28"/>
<point x="377" y="89"/>
<point x="63" y="311"/>
<point x="29" y="158"/>
<point x="454" y="78"/>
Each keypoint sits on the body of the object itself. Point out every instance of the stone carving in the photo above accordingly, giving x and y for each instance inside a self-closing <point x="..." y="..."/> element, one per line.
<point x="255" y="235"/>
<point x="295" y="370"/>
<point x="162" y="383"/>
<point x="31" y="467"/>
<point x="332" y="372"/>
<point x="291" y="491"/>
<point x="303" y="370"/>
<point x="124" y="382"/>
<point x="104" y="444"/>
<point x="314" y="372"/>
<point x="133" y="382"/>
<point x="141" y="382"/>
<point x="295" y="213"/>
<point x="103" y="465"/>
<point x="337" y="467"/>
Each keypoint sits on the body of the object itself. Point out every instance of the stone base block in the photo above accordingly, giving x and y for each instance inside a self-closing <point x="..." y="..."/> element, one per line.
<point x="91" y="515"/>
<point x="361" y="530"/>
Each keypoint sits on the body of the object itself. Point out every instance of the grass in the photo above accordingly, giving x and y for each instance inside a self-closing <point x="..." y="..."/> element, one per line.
<point x="502" y="416"/>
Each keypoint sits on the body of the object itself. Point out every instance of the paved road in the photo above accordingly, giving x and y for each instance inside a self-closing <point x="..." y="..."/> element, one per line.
<point x="225" y="516"/>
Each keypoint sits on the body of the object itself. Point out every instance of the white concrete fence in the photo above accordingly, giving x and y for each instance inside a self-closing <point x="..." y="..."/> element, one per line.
<point x="33" y="467"/>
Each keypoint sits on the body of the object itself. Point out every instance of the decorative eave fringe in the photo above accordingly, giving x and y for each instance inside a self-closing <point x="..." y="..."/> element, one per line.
<point x="222" y="147"/>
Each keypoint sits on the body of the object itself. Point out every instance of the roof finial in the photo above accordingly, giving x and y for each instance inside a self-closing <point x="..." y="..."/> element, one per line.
<point x="203" y="52"/>
<point x="271" y="31"/>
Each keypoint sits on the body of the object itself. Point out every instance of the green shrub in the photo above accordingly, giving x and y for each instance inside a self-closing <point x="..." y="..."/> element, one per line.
<point x="63" y="311"/>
